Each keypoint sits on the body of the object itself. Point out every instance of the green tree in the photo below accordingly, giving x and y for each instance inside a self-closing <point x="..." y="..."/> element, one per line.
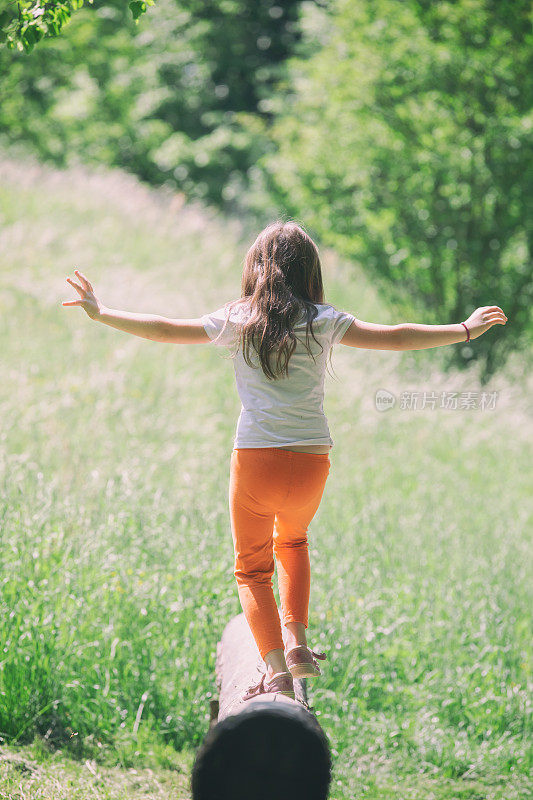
<point x="161" y="99"/>
<point x="406" y="142"/>
<point x="23" y="23"/>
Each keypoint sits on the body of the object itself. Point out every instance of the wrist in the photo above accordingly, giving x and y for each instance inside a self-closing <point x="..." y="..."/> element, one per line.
<point x="467" y="331"/>
<point x="99" y="313"/>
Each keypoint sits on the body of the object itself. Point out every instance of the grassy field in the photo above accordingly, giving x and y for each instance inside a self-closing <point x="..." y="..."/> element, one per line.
<point x="116" y="554"/>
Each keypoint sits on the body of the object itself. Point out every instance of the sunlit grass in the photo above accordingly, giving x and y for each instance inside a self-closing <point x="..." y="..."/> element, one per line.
<point x="38" y="772"/>
<point x="116" y="574"/>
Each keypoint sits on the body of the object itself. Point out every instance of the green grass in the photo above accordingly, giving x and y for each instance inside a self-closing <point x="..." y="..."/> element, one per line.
<point x="116" y="555"/>
<point x="38" y="772"/>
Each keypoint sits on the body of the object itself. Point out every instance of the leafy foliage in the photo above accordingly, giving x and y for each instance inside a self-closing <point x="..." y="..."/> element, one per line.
<point x="406" y="141"/>
<point x="26" y="22"/>
<point x="163" y="100"/>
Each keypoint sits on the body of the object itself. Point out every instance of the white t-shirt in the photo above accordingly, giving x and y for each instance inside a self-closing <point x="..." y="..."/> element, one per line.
<point x="289" y="409"/>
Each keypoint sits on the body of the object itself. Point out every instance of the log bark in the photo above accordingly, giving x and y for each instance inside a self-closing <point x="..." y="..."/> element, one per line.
<point x="264" y="748"/>
<point x="239" y="664"/>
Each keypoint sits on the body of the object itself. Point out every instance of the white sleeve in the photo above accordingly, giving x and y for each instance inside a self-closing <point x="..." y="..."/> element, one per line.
<point x="214" y="323"/>
<point x="341" y="321"/>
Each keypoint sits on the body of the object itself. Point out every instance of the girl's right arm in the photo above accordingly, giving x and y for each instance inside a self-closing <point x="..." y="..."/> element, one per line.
<point x="414" y="336"/>
<point x="148" y="326"/>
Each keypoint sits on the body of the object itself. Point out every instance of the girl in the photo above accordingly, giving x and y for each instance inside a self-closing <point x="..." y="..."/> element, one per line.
<point x="279" y="333"/>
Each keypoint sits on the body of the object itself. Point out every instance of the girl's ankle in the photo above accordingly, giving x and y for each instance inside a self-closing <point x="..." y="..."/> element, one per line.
<point x="295" y="635"/>
<point x="294" y="643"/>
<point x="270" y="672"/>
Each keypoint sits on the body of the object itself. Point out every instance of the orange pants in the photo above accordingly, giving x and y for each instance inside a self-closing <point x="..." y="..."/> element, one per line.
<point x="273" y="496"/>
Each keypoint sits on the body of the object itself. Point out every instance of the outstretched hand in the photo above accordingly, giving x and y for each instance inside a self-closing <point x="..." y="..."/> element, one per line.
<point x="484" y="318"/>
<point x="89" y="302"/>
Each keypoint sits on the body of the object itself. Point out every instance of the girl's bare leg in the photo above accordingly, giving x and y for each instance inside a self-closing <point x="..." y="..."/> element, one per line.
<point x="275" y="661"/>
<point x="295" y="634"/>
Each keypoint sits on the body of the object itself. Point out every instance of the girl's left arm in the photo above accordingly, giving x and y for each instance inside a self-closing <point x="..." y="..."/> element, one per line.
<point x="148" y="326"/>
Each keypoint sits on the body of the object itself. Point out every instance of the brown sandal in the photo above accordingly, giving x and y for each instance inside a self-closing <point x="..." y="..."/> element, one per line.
<point x="281" y="682"/>
<point x="301" y="662"/>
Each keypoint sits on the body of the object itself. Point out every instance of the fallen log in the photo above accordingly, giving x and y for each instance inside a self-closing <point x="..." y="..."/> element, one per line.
<point x="268" y="748"/>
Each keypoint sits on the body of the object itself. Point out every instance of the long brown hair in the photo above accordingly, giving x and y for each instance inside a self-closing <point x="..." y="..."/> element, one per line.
<point x="281" y="278"/>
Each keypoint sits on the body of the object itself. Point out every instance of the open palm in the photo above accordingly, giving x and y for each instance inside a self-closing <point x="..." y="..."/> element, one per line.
<point x="484" y="318"/>
<point x="88" y="300"/>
